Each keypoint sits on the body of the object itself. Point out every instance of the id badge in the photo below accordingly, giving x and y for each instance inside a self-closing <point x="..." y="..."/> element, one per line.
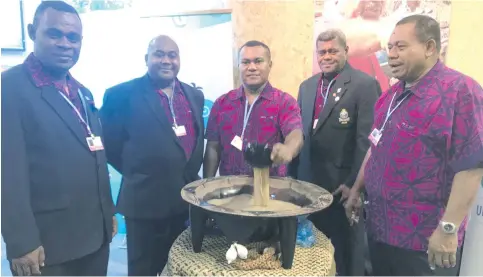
<point x="237" y="143"/>
<point x="315" y="123"/>
<point x="375" y="136"/>
<point x="180" y="131"/>
<point x="95" y="143"/>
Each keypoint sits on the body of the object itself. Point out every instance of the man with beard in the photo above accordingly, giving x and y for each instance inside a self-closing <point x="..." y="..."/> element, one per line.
<point x="154" y="130"/>
<point x="425" y="165"/>
<point x="57" y="210"/>
<point x="256" y="112"/>
<point x="337" y="113"/>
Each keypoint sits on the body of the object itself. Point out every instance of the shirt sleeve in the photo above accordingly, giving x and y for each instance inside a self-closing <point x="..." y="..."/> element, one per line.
<point x="290" y="118"/>
<point x="213" y="127"/>
<point x="466" y="149"/>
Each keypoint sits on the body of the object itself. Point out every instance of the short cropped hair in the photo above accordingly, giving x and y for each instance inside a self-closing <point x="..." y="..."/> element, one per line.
<point x="332" y="34"/>
<point x="426" y="28"/>
<point x="56" y="5"/>
<point x="254" y="43"/>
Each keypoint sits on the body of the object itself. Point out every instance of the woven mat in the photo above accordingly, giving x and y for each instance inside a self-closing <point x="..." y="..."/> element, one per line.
<point x="314" y="261"/>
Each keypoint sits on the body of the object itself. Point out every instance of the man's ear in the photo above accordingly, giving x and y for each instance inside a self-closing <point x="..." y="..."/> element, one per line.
<point x="431" y="48"/>
<point x="31" y="31"/>
<point x="270" y="64"/>
<point x="146" y="59"/>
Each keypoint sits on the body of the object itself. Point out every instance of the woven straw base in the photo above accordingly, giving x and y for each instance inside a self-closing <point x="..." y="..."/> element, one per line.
<point x="314" y="261"/>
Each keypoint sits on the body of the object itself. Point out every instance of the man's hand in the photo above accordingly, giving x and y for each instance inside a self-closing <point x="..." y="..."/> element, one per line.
<point x="114" y="226"/>
<point x="29" y="264"/>
<point x="344" y="190"/>
<point x="352" y="206"/>
<point x="281" y="154"/>
<point x="442" y="249"/>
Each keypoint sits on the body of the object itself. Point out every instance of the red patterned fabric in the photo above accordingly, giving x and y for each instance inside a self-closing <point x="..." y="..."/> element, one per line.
<point x="435" y="133"/>
<point x="42" y="78"/>
<point x="273" y="117"/>
<point x="184" y="117"/>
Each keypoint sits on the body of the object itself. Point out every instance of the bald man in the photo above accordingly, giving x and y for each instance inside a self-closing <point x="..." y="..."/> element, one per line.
<point x="153" y="135"/>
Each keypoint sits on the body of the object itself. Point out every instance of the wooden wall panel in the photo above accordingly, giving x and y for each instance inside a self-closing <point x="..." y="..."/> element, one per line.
<point x="286" y="26"/>
<point x="464" y="50"/>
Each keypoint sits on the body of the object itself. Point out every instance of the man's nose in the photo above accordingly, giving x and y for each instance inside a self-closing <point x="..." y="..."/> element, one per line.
<point x="63" y="42"/>
<point x="252" y="67"/>
<point x="165" y="59"/>
<point x="392" y="54"/>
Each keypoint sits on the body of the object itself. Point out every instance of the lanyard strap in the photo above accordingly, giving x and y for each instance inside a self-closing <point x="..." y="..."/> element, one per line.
<point x="390" y="111"/>
<point x="171" y="105"/>
<point x="84" y="122"/>
<point x="247" y="113"/>
<point x="327" y="91"/>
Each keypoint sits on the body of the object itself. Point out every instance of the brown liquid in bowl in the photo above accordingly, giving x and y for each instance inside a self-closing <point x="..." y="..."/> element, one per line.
<point x="246" y="202"/>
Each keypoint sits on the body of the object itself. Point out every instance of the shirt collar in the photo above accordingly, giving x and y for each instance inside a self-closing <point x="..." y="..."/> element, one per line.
<point x="422" y="86"/>
<point x="176" y="85"/>
<point x="42" y="77"/>
<point x="266" y="93"/>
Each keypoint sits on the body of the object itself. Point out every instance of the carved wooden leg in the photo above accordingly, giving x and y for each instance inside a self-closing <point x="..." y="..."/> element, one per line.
<point x="288" y="239"/>
<point x="198" y="219"/>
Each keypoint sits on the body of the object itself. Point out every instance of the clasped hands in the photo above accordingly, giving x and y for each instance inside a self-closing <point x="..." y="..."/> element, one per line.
<point x="351" y="200"/>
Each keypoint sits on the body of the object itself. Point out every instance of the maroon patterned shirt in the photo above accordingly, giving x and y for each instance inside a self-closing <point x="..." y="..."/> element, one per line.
<point x="42" y="78"/>
<point x="273" y="117"/>
<point x="183" y="115"/>
<point x="435" y="133"/>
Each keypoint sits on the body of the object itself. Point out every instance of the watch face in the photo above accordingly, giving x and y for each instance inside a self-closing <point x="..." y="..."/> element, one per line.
<point x="448" y="228"/>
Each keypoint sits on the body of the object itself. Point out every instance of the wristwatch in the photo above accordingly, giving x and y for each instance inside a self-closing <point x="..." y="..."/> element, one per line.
<point x="448" y="227"/>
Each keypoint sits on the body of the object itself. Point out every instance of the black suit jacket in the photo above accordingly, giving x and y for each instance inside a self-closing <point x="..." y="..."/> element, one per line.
<point x="333" y="152"/>
<point x="55" y="191"/>
<point x="143" y="147"/>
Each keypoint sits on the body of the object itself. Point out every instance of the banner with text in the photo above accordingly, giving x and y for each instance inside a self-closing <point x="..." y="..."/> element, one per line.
<point x="471" y="262"/>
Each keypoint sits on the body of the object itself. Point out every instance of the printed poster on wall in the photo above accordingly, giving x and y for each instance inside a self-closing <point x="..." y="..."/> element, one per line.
<point x="368" y="25"/>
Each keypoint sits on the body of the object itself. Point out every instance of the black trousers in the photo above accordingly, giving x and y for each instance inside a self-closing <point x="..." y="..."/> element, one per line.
<point x="348" y="241"/>
<point x="149" y="242"/>
<point x="388" y="260"/>
<point x="94" y="264"/>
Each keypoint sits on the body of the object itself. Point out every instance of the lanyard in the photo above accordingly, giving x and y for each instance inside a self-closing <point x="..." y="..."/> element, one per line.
<point x="84" y="122"/>
<point x="247" y="113"/>
<point x="327" y="91"/>
<point x="390" y="111"/>
<point x="171" y="105"/>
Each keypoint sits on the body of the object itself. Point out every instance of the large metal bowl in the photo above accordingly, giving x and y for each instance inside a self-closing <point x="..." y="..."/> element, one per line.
<point x="250" y="226"/>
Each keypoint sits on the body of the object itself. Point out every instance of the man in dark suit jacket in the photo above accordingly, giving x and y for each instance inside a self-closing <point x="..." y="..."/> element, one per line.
<point x="57" y="209"/>
<point x="154" y="138"/>
<point x="337" y="113"/>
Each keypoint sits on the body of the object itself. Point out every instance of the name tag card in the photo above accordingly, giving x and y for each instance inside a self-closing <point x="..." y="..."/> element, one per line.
<point x="237" y="143"/>
<point x="180" y="131"/>
<point x="95" y="143"/>
<point x="375" y="136"/>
